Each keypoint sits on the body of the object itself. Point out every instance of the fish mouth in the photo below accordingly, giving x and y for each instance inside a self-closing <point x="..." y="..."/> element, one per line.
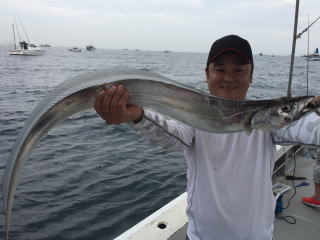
<point x="310" y="105"/>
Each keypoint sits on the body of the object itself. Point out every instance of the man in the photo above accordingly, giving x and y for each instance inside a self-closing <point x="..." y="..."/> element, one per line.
<point x="229" y="175"/>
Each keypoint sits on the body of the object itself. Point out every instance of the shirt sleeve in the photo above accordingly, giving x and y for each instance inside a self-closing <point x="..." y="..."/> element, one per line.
<point x="169" y="134"/>
<point x="304" y="131"/>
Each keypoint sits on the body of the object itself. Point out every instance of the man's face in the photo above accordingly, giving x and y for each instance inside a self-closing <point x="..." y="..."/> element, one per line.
<point x="229" y="76"/>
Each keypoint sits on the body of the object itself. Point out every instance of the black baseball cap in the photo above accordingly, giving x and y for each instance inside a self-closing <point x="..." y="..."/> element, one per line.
<point x="231" y="43"/>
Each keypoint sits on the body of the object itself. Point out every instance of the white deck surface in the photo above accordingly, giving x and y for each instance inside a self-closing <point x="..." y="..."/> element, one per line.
<point x="174" y="217"/>
<point x="308" y="218"/>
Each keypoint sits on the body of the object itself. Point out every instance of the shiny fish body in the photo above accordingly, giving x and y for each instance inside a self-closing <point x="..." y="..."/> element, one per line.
<point x="193" y="107"/>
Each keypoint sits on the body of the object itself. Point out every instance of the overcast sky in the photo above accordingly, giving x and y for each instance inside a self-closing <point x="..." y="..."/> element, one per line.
<point x="177" y="25"/>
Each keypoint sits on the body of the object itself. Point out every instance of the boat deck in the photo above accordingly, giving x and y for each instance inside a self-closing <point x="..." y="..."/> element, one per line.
<point x="307" y="217"/>
<point x="170" y="222"/>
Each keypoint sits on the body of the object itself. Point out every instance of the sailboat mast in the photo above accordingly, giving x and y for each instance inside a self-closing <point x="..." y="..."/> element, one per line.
<point x="14" y="37"/>
<point x="24" y="31"/>
<point x="293" y="47"/>
<point x="17" y="29"/>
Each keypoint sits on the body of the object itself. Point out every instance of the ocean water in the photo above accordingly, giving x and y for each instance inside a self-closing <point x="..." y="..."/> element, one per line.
<point x="88" y="180"/>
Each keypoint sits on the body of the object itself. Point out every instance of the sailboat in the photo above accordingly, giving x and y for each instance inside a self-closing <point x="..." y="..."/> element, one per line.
<point x="24" y="48"/>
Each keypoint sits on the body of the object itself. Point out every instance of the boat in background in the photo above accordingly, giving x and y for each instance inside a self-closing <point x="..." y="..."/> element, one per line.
<point x="75" y="49"/>
<point x="314" y="56"/>
<point x="90" y="48"/>
<point x="45" y="45"/>
<point x="24" y="48"/>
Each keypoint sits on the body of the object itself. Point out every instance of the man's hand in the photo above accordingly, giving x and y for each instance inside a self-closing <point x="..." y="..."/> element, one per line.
<point x="112" y="106"/>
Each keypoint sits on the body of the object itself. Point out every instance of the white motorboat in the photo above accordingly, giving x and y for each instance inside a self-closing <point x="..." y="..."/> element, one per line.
<point x="90" y="48"/>
<point x="75" y="49"/>
<point x="45" y="45"/>
<point x="314" y="56"/>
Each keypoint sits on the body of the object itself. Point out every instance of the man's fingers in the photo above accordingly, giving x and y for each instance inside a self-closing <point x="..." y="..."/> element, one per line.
<point x="98" y="102"/>
<point x="114" y="105"/>
<point x="106" y="104"/>
<point x="123" y="100"/>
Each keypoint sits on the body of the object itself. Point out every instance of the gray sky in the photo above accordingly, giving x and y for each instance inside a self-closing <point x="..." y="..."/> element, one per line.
<point x="177" y="25"/>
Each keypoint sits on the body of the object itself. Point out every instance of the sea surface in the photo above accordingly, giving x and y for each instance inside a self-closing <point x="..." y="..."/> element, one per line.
<point x="88" y="180"/>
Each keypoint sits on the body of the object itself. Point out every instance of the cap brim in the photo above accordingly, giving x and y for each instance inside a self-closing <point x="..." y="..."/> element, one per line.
<point x="230" y="50"/>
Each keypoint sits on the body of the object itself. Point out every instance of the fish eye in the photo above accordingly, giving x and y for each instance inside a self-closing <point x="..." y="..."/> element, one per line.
<point x="286" y="108"/>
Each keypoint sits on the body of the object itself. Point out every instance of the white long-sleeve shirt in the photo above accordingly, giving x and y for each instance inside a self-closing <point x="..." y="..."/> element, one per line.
<point x="229" y="176"/>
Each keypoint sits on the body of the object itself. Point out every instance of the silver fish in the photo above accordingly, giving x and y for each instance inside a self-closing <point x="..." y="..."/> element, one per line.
<point x="178" y="101"/>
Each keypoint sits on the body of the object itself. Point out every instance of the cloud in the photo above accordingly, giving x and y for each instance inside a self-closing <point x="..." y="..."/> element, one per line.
<point x="59" y="11"/>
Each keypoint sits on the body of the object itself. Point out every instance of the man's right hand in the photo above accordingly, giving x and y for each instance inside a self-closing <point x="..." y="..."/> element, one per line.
<point x="112" y="106"/>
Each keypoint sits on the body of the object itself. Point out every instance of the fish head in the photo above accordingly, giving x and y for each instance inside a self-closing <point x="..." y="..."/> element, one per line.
<point x="282" y="112"/>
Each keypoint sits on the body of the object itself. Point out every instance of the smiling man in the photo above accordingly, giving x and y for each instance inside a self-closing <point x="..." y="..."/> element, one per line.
<point x="229" y="176"/>
<point x="229" y="68"/>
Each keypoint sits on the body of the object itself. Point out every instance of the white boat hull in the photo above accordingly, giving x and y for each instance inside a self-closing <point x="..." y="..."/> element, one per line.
<point x="74" y="49"/>
<point x="27" y="52"/>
